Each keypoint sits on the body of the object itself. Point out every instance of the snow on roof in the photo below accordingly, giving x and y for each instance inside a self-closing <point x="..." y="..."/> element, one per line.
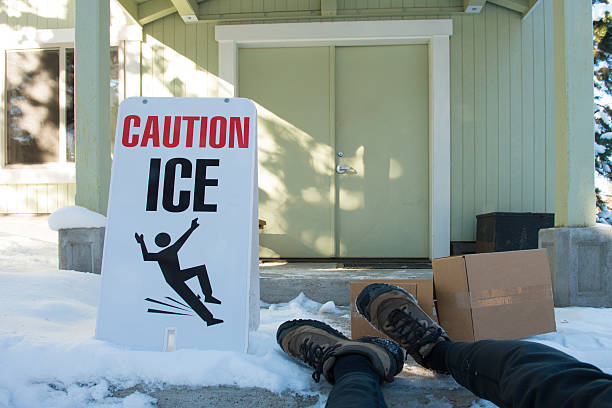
<point x="74" y="216"/>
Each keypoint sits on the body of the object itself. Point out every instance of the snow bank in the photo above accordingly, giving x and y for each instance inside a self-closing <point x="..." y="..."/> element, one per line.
<point x="50" y="357"/>
<point x="73" y="216"/>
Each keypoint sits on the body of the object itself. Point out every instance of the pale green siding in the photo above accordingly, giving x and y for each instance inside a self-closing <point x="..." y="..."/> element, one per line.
<point x="37" y="14"/>
<point x="502" y="141"/>
<point x="35" y="198"/>
<point x="179" y="59"/>
<point x="502" y="115"/>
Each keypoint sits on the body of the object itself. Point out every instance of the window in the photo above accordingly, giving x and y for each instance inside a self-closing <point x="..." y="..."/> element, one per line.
<point x="40" y="105"/>
<point x="32" y="106"/>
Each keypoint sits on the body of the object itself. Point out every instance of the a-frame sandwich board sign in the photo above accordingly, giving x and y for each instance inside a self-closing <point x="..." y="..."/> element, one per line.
<point x="181" y="246"/>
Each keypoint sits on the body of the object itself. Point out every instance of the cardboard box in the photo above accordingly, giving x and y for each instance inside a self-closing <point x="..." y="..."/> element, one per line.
<point x="421" y="289"/>
<point x="500" y="295"/>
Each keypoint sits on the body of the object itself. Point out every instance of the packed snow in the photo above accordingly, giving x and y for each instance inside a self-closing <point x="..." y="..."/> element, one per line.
<point x="50" y="357"/>
<point x="74" y="216"/>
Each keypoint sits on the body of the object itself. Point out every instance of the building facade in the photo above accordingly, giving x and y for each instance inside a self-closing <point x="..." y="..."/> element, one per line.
<point x="385" y="127"/>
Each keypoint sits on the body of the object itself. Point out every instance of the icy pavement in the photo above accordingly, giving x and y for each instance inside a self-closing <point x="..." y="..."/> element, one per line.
<point x="49" y="357"/>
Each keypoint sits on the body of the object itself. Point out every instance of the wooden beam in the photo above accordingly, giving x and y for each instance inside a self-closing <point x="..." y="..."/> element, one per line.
<point x="187" y="9"/>
<point x="131" y="7"/>
<point x="520" y="6"/>
<point x="473" y="6"/>
<point x="152" y="10"/>
<point x="329" y="8"/>
<point x="345" y="13"/>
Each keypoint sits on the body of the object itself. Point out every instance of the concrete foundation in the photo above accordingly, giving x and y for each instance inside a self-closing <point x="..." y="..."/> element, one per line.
<point x="580" y="264"/>
<point x="80" y="249"/>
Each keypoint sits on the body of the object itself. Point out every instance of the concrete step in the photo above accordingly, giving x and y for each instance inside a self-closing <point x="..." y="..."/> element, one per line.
<point x="322" y="282"/>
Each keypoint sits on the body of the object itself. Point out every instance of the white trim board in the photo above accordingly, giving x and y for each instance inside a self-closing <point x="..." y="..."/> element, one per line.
<point x="28" y="37"/>
<point x="434" y="33"/>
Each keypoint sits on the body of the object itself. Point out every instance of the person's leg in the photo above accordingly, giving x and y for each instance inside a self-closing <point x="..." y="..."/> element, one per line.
<point x="523" y="374"/>
<point x="509" y="373"/>
<point x="355" y="367"/>
<point x="357" y="384"/>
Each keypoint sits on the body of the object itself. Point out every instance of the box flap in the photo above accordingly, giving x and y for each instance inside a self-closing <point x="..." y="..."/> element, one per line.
<point x="453" y="297"/>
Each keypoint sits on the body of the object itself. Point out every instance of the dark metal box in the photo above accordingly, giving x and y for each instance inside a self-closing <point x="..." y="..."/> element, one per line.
<point x="510" y="231"/>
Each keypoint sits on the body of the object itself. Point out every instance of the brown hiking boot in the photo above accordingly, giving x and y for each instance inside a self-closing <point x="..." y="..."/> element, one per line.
<point x="396" y="313"/>
<point x="318" y="345"/>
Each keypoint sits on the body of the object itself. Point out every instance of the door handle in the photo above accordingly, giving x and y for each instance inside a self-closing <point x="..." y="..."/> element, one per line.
<point x="342" y="168"/>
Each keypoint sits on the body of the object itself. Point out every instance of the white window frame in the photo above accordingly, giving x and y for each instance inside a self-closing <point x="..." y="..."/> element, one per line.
<point x="29" y="39"/>
<point x="434" y="33"/>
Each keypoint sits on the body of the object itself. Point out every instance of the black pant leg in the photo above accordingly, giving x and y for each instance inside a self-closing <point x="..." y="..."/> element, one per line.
<point x="356" y="390"/>
<point x="527" y="374"/>
<point x="356" y="384"/>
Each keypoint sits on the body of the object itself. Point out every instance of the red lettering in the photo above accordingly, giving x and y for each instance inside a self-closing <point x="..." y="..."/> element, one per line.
<point x="177" y="131"/>
<point x="151" y="132"/>
<point x="127" y="142"/>
<point x="190" y="123"/>
<point x="236" y="130"/>
<point x="203" y="128"/>
<point x="213" y="132"/>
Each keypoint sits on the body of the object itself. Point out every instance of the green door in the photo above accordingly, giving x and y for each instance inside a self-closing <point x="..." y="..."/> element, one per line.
<point x="367" y="104"/>
<point x="291" y="88"/>
<point x="382" y="132"/>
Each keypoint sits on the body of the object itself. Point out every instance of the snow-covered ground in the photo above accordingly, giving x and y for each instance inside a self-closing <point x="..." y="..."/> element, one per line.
<point x="48" y="356"/>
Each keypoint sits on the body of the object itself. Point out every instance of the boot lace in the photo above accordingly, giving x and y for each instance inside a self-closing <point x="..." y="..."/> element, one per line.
<point x="315" y="355"/>
<point x="412" y="332"/>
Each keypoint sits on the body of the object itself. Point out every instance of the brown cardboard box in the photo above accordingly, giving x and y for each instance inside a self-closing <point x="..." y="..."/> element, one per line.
<point x="421" y="289"/>
<point x="500" y="295"/>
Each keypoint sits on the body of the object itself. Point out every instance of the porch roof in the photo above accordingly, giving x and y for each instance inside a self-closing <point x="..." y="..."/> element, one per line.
<point x="192" y="11"/>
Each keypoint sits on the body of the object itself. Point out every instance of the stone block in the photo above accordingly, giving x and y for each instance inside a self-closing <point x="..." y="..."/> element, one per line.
<point x="80" y="249"/>
<point x="580" y="264"/>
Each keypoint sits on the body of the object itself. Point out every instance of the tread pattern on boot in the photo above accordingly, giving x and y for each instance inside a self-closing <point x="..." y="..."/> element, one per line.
<point x="392" y="347"/>
<point x="286" y="327"/>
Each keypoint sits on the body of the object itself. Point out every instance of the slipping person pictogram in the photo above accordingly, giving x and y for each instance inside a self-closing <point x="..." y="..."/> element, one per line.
<point x="176" y="277"/>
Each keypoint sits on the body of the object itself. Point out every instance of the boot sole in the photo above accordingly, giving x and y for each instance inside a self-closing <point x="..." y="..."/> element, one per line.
<point x="392" y="348"/>
<point x="286" y="327"/>
<point x="371" y="292"/>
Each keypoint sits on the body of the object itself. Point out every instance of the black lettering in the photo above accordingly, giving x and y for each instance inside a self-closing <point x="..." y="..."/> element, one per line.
<point x="169" y="179"/>
<point x="201" y="182"/>
<point x="153" y="190"/>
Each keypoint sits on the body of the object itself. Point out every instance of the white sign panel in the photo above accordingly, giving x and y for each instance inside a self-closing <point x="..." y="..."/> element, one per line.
<point x="181" y="238"/>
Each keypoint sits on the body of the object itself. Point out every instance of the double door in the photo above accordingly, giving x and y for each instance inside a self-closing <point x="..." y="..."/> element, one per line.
<point x="343" y="149"/>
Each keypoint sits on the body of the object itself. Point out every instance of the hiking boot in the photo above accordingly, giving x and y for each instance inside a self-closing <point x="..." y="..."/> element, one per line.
<point x="318" y="345"/>
<point x="397" y="314"/>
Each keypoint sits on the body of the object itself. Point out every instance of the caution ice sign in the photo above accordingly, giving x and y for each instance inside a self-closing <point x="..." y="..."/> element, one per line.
<point x="181" y="238"/>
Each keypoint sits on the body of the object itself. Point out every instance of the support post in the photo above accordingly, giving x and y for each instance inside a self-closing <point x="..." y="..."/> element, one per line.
<point x="92" y="104"/>
<point x="580" y="254"/>
<point x="575" y="181"/>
